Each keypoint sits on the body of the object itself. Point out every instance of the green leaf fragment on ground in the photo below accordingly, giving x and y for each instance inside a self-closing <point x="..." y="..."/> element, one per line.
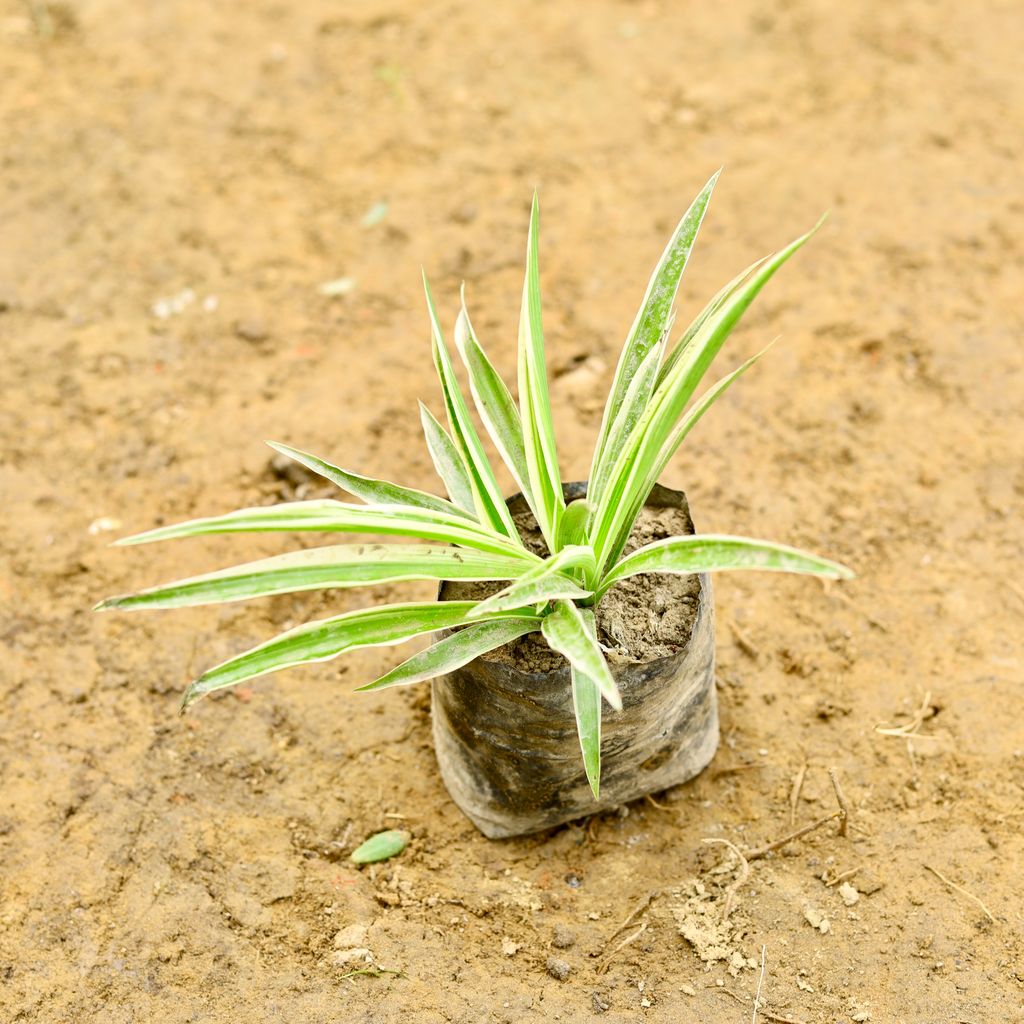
<point x="382" y="846"/>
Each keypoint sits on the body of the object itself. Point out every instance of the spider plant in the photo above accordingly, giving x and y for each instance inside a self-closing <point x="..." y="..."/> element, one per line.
<point x="470" y="534"/>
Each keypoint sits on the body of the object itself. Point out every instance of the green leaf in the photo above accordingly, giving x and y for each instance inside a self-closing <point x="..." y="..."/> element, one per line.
<point x="454" y="651"/>
<point x="494" y="403"/>
<point x="567" y="633"/>
<point x="586" y="705"/>
<point x="382" y="846"/>
<point x="546" y="581"/>
<point x="534" y="401"/>
<point x="338" y="517"/>
<point x="373" y="492"/>
<point x="344" y="565"/>
<point x="718" y="553"/>
<point x="572" y="529"/>
<point x="679" y="432"/>
<point x="325" y="639"/>
<point x="625" y="492"/>
<point x="713" y="306"/>
<point x="487" y="496"/>
<point x="630" y="411"/>
<point x="650" y="327"/>
<point x="448" y="462"/>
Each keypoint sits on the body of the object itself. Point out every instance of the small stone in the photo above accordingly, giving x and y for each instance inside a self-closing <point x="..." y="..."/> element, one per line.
<point x="816" y="919"/>
<point x="350" y="937"/>
<point x="344" y="957"/>
<point x="562" y="937"/>
<point x="251" y="330"/>
<point x="687" y="990"/>
<point x="464" y="214"/>
<point x="508" y="947"/>
<point x="558" y="969"/>
<point x="867" y="883"/>
<point x="848" y="894"/>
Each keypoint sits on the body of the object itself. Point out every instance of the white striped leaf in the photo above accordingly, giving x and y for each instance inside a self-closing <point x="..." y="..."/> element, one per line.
<point x="698" y="322"/>
<point x="679" y="432"/>
<point x="586" y="706"/>
<point x="338" y="517"/>
<point x="487" y="496"/>
<point x="325" y="639"/>
<point x="633" y="406"/>
<point x="448" y="462"/>
<point x="567" y="633"/>
<point x="545" y="581"/>
<point x="719" y="553"/>
<point x="373" y="492"/>
<point x="632" y="469"/>
<point x="649" y="330"/>
<point x="454" y="651"/>
<point x="494" y="403"/>
<point x="534" y="401"/>
<point x="344" y="565"/>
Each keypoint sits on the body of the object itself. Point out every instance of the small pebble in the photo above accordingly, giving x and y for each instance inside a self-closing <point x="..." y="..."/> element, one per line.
<point x="562" y="937"/>
<point x="816" y="919"/>
<point x="251" y="330"/>
<point x="558" y="969"/>
<point x="848" y="894"/>
<point x="352" y="936"/>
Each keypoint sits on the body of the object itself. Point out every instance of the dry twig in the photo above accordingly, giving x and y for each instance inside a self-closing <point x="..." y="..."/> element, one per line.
<point x="767" y="1014"/>
<point x="745" y="644"/>
<point x="763" y="851"/>
<point x="843" y="814"/>
<point x="911" y="727"/>
<point x="844" y="877"/>
<point x="730" y="893"/>
<point x="757" y="994"/>
<point x="632" y="937"/>
<point x="844" y="805"/>
<point x="794" y="793"/>
<point x="960" y="889"/>
<point x="634" y="914"/>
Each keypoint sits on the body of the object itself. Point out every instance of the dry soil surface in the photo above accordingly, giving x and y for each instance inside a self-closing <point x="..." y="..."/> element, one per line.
<point x="178" y="181"/>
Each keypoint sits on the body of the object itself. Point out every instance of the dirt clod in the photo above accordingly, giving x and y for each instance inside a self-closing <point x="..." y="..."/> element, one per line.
<point x="558" y="969"/>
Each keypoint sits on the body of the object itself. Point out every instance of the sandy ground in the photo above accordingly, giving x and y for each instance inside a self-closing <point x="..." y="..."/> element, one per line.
<point x="177" y="180"/>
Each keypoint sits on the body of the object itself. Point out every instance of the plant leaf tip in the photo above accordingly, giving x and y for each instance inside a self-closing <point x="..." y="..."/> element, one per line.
<point x="189" y="698"/>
